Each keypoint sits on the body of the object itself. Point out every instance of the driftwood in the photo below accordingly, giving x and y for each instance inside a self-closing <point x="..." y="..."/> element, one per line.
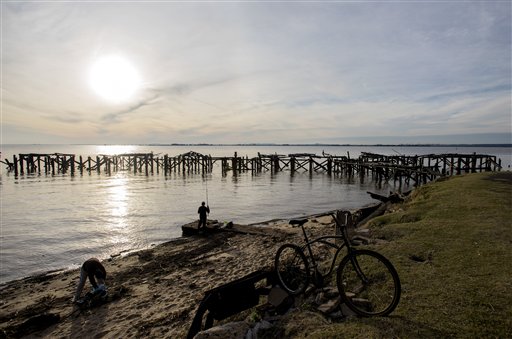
<point x="379" y="211"/>
<point x="393" y="197"/>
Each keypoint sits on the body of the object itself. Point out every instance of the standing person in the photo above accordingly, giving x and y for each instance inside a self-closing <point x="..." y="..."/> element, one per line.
<point x="203" y="211"/>
<point x="92" y="269"/>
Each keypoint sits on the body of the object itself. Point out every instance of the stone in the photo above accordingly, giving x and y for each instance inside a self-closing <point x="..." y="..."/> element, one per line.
<point x="320" y="298"/>
<point x="276" y="296"/>
<point x="253" y="333"/>
<point x="330" y="306"/>
<point x="234" y="330"/>
<point x="338" y="315"/>
<point x="347" y="312"/>
<point x="362" y="239"/>
<point x="331" y="292"/>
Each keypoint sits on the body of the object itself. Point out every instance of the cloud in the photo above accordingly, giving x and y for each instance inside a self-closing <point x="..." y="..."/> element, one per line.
<point x="115" y="116"/>
<point x="259" y="72"/>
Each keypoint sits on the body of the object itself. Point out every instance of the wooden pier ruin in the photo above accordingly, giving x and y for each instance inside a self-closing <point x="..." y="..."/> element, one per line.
<point x="416" y="168"/>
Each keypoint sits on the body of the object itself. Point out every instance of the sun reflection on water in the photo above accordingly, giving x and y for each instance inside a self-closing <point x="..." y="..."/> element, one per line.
<point x="117" y="197"/>
<point x="117" y="203"/>
<point x="115" y="149"/>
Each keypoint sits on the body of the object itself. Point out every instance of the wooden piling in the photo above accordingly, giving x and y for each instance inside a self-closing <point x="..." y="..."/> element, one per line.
<point x="405" y="169"/>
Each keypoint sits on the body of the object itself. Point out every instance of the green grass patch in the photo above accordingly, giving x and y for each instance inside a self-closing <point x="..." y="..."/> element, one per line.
<point x="451" y="243"/>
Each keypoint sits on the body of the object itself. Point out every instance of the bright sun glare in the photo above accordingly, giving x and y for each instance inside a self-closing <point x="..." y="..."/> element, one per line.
<point x="114" y="78"/>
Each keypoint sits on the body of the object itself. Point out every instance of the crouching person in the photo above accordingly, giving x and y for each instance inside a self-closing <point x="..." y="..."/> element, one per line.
<point x="94" y="270"/>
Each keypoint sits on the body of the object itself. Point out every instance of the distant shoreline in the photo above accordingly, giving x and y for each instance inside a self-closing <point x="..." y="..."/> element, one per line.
<point x="283" y="145"/>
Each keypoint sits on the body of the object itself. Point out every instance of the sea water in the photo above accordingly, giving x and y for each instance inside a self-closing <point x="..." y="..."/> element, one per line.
<point x="51" y="222"/>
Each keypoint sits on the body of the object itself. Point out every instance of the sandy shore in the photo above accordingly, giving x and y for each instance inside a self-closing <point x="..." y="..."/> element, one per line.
<point x="154" y="293"/>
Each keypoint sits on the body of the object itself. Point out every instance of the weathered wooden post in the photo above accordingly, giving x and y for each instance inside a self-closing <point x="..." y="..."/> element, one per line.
<point x="15" y="163"/>
<point x="27" y="160"/>
<point x="225" y="167"/>
<point x="72" y="162"/>
<point x="30" y="164"/>
<point x="81" y="164"/>
<point x="98" y="164"/>
<point x="106" y="162"/>
<point x="64" y="164"/>
<point x="234" y="167"/>
<point x="473" y="163"/>
<point x="21" y="164"/>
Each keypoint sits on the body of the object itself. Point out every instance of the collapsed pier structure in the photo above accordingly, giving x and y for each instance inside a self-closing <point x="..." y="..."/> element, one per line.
<point x="415" y="168"/>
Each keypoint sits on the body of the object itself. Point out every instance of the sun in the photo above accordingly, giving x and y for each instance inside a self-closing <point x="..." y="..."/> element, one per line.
<point x="114" y="78"/>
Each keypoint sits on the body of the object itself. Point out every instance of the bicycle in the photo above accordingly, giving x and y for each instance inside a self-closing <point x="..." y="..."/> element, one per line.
<point x="367" y="282"/>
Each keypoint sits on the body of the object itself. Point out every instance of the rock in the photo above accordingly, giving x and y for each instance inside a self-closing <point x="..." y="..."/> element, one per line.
<point x="253" y="333"/>
<point x="338" y="315"/>
<point x="320" y="298"/>
<point x="310" y="289"/>
<point x="347" y="312"/>
<point x="235" y="330"/>
<point x="330" y="306"/>
<point x="276" y="296"/>
<point x="362" y="239"/>
<point x="356" y="242"/>
<point x="331" y="292"/>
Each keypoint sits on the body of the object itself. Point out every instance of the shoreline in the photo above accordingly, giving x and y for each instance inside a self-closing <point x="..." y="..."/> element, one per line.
<point x="41" y="276"/>
<point x="155" y="291"/>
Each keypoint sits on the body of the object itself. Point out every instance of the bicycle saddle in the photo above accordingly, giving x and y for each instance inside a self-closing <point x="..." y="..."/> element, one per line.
<point x="299" y="222"/>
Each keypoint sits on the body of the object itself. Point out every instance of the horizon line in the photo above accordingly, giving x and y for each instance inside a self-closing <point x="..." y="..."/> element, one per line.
<point x="281" y="144"/>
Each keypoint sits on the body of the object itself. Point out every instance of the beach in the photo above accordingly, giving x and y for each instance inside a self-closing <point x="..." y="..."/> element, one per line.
<point x="153" y="293"/>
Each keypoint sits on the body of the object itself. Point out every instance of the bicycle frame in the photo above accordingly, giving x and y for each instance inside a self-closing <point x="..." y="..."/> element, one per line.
<point x="325" y="240"/>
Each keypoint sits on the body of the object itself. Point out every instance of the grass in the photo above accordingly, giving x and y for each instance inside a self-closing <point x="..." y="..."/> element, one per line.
<point x="451" y="244"/>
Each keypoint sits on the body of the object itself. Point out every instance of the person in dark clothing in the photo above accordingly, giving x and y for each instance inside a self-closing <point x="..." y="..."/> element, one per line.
<point x="203" y="211"/>
<point x="92" y="269"/>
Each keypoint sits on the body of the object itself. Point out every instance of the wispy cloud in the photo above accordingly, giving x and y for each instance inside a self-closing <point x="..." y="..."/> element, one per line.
<point x="257" y="72"/>
<point x="133" y="108"/>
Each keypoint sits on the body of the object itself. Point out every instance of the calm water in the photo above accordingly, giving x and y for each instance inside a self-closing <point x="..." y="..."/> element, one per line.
<point x="54" y="222"/>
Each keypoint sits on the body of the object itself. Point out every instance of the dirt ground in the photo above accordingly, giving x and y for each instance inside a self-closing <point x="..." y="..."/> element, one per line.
<point x="152" y="293"/>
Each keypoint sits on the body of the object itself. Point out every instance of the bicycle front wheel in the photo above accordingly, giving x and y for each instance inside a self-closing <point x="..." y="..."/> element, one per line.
<point x="368" y="283"/>
<point x="292" y="269"/>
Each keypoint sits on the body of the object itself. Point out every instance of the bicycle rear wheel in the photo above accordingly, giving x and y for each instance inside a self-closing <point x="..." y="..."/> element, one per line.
<point x="368" y="283"/>
<point x="292" y="269"/>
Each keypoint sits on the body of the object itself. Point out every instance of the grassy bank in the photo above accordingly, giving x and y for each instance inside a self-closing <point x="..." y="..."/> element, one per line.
<point x="451" y="243"/>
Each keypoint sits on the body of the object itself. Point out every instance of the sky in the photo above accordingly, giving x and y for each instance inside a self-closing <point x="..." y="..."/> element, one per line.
<point x="141" y="72"/>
